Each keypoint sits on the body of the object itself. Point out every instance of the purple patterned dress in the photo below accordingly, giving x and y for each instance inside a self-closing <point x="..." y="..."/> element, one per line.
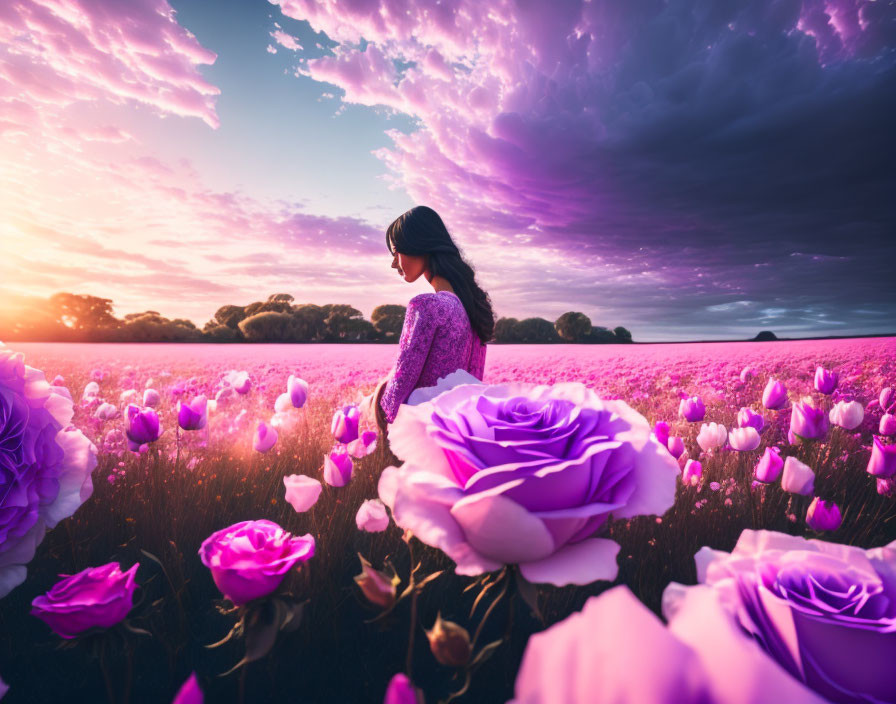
<point x="436" y="340"/>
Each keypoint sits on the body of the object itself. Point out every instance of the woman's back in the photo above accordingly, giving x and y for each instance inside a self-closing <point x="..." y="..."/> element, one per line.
<point x="436" y="340"/>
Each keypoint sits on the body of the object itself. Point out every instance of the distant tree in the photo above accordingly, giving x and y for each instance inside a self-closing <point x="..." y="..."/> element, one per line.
<point x="622" y="335"/>
<point x="230" y="316"/>
<point x="600" y="336"/>
<point x="339" y="319"/>
<point x="536" y="330"/>
<point x="359" y="330"/>
<point x="83" y="312"/>
<point x="269" y="326"/>
<point x="150" y="327"/>
<point x="573" y="326"/>
<point x="506" y="330"/>
<point x="310" y="322"/>
<point x="389" y="320"/>
<point x="221" y="333"/>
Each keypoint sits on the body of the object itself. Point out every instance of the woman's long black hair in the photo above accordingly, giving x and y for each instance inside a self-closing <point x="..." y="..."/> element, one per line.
<point x="420" y="231"/>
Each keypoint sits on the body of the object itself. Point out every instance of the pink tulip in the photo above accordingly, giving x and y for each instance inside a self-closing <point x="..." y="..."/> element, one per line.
<point x="774" y="396"/>
<point x="808" y="422"/>
<point x="692" y="409"/>
<point x="401" y="691"/>
<point x="888" y="424"/>
<point x="675" y="445"/>
<point x="887" y="399"/>
<point x="711" y="436"/>
<point x="372" y="516"/>
<point x="798" y="477"/>
<point x="661" y="430"/>
<point x="768" y="469"/>
<point x="189" y="693"/>
<point x="297" y="390"/>
<point x="338" y="467"/>
<point x="847" y="414"/>
<point x="151" y="398"/>
<point x="302" y="492"/>
<point x="265" y="437"/>
<point x="882" y="462"/>
<point x="693" y="470"/>
<point x="345" y="423"/>
<point x="744" y="439"/>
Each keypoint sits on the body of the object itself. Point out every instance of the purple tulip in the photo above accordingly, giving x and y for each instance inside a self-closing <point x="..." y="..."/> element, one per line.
<point x="882" y="462"/>
<point x="823" y="515"/>
<point x="345" y="423"/>
<point x="242" y="383"/>
<point x="193" y="415"/>
<point x="774" y="397"/>
<point x="675" y="445"/>
<point x="338" y="467"/>
<point x="661" y="430"/>
<point x="265" y="437"/>
<point x="693" y="470"/>
<point x="297" y="390"/>
<point x="143" y="427"/>
<point x="825" y="380"/>
<point x="808" y="422"/>
<point x="769" y="467"/>
<point x="692" y="409"/>
<point x="888" y="424"/>
<point x="887" y="398"/>
<point x="95" y="597"/>
<point x="747" y="417"/>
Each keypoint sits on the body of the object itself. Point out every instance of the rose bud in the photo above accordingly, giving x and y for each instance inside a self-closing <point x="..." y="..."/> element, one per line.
<point x="768" y="469"/>
<point x="882" y="462"/>
<point x="888" y="424"/>
<point x="449" y="642"/>
<point x="747" y="417"/>
<point x="847" y="414"/>
<point x="825" y="380"/>
<point x="823" y="515"/>
<point x="692" y="409"/>
<point x="774" y="396"/>
<point x="377" y="586"/>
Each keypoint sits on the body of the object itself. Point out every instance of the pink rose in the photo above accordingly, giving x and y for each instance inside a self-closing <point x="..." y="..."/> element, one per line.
<point x="248" y="560"/>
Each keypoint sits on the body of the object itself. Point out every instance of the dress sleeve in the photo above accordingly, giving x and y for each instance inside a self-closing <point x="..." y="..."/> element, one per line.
<point x="477" y="362"/>
<point x="413" y="348"/>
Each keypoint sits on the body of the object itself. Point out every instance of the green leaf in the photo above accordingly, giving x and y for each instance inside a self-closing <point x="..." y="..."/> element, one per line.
<point x="529" y="592"/>
<point x="485" y="652"/>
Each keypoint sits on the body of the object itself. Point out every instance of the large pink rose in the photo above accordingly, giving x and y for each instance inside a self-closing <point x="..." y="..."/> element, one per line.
<point x="249" y="559"/>
<point x="45" y="463"/>
<point x="616" y="650"/>
<point x="522" y="474"/>
<point x="97" y="597"/>
<point x="821" y="614"/>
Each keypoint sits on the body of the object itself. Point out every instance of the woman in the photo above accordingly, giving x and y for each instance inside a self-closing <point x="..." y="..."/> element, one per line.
<point x="443" y="331"/>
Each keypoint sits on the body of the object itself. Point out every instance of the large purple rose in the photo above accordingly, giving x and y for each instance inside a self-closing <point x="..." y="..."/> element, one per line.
<point x="97" y="597"/>
<point x="249" y="559"/>
<point x="824" y="612"/>
<point x="522" y="474"/>
<point x="45" y="465"/>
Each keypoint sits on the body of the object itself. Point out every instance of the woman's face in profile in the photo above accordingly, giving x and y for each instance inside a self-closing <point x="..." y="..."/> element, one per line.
<point x="410" y="267"/>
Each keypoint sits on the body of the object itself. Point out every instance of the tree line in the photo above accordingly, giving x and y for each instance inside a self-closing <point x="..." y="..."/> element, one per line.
<point x="70" y="317"/>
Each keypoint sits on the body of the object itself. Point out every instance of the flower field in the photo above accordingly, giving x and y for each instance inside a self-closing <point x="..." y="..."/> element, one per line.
<point x="265" y="518"/>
